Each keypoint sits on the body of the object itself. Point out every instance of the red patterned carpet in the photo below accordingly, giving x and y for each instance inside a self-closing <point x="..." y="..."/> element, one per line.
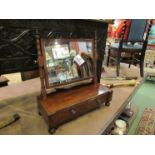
<point x="146" y="125"/>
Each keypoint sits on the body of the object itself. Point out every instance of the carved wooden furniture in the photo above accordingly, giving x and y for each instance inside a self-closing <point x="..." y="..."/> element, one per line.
<point x="132" y="49"/>
<point x="18" y="52"/>
<point x="66" y="65"/>
<point x="61" y="107"/>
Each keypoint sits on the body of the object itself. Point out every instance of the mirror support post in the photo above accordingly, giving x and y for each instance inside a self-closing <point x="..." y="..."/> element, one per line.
<point x="40" y="62"/>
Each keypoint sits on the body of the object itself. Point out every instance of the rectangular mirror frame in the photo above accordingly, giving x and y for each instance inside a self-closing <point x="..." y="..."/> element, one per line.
<point x="93" y="77"/>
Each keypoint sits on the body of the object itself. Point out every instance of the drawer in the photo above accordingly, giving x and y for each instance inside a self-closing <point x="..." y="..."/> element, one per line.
<point x="60" y="117"/>
<point x="84" y="107"/>
<point x="72" y="107"/>
<point x="73" y="112"/>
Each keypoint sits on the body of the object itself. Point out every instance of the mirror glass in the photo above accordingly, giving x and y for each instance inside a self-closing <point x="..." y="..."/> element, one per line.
<point x="68" y="60"/>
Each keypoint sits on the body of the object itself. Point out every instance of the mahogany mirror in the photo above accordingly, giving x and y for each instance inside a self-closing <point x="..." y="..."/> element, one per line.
<point x="68" y="60"/>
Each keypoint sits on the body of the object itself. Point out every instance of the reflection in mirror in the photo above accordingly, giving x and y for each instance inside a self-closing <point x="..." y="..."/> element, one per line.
<point x="68" y="60"/>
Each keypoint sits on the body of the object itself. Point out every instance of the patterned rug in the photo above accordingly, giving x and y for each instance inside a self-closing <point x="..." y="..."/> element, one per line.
<point x="146" y="125"/>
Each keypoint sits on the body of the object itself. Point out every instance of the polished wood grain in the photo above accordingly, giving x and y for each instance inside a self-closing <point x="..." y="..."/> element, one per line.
<point x="66" y="105"/>
<point x="70" y="97"/>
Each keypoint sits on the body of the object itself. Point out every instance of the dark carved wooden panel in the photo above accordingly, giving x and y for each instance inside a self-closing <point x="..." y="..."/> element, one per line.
<point x="18" y="43"/>
<point x="17" y="50"/>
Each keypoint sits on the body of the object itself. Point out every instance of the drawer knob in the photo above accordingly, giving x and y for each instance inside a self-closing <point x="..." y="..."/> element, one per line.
<point x="73" y="111"/>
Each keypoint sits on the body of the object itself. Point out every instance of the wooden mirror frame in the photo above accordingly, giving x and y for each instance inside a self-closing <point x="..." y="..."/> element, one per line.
<point x="45" y="70"/>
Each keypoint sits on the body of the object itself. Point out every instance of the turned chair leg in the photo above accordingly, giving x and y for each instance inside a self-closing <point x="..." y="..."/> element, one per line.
<point x="108" y="58"/>
<point x="118" y="63"/>
<point x="132" y="58"/>
<point x="129" y="64"/>
<point x="142" y="68"/>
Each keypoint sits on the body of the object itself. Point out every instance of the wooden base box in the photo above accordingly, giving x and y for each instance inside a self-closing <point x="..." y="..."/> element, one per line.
<point x="66" y="105"/>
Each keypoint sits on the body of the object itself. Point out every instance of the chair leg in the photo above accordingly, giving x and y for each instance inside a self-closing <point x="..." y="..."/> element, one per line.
<point x="142" y="68"/>
<point x="118" y="63"/>
<point x="131" y="61"/>
<point x="108" y="58"/>
<point x="129" y="64"/>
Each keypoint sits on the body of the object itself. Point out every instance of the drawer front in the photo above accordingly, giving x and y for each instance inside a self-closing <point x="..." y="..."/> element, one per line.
<point x="73" y="112"/>
<point x="84" y="107"/>
<point x="60" y="117"/>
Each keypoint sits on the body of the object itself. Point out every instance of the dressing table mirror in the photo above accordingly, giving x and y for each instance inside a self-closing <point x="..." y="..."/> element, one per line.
<point x="68" y="68"/>
<point x="68" y="61"/>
